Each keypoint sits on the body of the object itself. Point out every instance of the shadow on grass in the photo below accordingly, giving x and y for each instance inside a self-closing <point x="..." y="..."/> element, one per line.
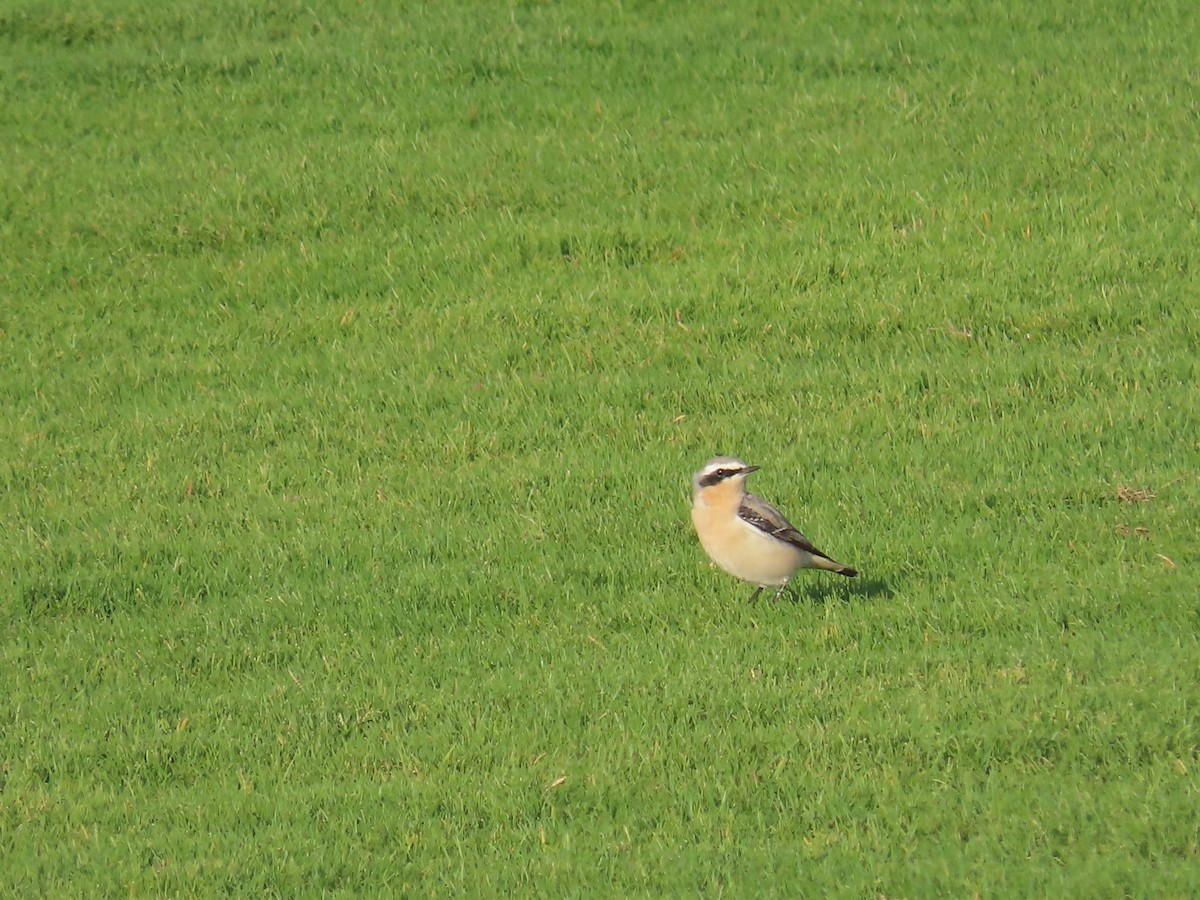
<point x="844" y="590"/>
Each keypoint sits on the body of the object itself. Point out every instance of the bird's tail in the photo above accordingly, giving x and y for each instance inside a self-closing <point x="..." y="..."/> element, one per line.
<point x="831" y="565"/>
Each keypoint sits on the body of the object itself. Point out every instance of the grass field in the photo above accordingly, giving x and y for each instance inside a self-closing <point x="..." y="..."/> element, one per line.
<point x="355" y="362"/>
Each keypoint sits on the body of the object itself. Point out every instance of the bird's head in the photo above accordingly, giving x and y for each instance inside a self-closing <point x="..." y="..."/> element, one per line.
<point x="719" y="470"/>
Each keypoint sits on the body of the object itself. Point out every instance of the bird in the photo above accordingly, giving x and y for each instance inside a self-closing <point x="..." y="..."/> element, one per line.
<point x="745" y="535"/>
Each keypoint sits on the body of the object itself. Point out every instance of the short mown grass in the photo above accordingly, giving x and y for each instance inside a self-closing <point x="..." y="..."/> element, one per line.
<point x="355" y="364"/>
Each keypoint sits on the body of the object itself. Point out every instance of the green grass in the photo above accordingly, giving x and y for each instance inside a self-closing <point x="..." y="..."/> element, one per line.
<point x="354" y="364"/>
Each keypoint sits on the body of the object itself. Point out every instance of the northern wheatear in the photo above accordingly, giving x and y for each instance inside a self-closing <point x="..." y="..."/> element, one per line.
<point x="745" y="535"/>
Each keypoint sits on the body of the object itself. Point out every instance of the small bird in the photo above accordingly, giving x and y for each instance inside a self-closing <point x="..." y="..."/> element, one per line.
<point x="745" y="535"/>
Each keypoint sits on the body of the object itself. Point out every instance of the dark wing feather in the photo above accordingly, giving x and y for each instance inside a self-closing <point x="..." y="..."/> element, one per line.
<point x="763" y="516"/>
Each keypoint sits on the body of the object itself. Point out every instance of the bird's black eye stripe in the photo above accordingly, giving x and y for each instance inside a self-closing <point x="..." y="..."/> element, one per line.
<point x="717" y="476"/>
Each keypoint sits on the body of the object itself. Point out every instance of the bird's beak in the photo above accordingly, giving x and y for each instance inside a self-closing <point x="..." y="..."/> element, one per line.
<point x="749" y="469"/>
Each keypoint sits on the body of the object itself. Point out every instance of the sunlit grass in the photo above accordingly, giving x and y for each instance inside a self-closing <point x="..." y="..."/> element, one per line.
<point x="356" y="363"/>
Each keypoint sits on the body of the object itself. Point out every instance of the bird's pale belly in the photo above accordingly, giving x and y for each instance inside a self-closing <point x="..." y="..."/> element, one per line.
<point x="749" y="554"/>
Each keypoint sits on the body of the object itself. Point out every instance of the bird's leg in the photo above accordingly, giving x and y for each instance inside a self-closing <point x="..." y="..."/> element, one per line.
<point x="757" y="591"/>
<point x="779" y="593"/>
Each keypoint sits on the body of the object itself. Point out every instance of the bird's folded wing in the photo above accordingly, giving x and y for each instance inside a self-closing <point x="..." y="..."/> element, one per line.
<point x="763" y="516"/>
